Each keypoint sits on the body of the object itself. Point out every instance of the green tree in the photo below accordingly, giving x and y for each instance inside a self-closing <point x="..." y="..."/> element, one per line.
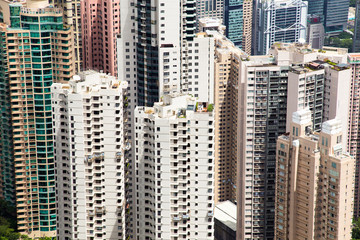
<point x="355" y="234"/>
<point x="8" y="212"/>
<point x="352" y="3"/>
<point x="345" y="35"/>
<point x="7" y="233"/>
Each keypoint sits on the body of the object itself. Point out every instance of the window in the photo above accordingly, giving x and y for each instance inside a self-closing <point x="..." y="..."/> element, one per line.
<point x="333" y="165"/>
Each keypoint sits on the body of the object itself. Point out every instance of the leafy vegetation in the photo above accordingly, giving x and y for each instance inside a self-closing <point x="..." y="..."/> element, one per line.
<point x="352" y="3"/>
<point x="8" y="229"/>
<point x="355" y="235"/>
<point x="344" y="40"/>
<point x="8" y="233"/>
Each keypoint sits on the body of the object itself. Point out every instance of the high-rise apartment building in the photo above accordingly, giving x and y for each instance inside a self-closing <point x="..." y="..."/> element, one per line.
<point x="161" y="52"/>
<point x="324" y="88"/>
<point x="36" y="51"/>
<point x="227" y="58"/>
<point x="161" y="55"/>
<point x="72" y="17"/>
<point x="89" y="116"/>
<point x="356" y="38"/>
<point x="267" y="89"/>
<point x="210" y="9"/>
<point x="238" y="21"/>
<point x="314" y="181"/>
<point x="354" y="117"/>
<point x="174" y="147"/>
<point x="100" y="26"/>
<point x="279" y="21"/>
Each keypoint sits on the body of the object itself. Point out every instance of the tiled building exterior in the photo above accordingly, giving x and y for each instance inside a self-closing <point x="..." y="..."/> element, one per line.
<point x="314" y="182"/>
<point x="37" y="51"/>
<point x="100" y="26"/>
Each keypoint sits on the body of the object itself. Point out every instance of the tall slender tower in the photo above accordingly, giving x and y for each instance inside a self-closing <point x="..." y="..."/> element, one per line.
<point x="36" y="51"/>
<point x="89" y="115"/>
<point x="175" y="169"/>
<point x="227" y="58"/>
<point x="354" y="118"/>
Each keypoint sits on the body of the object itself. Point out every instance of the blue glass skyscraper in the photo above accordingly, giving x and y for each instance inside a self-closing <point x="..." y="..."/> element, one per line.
<point x="238" y="22"/>
<point x="233" y="19"/>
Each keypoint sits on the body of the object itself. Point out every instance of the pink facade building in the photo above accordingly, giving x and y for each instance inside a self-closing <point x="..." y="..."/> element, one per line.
<point x="100" y="20"/>
<point x="354" y="124"/>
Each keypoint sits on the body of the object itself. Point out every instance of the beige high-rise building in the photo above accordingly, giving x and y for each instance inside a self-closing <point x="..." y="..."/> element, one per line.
<point x="227" y="58"/>
<point x="314" y="183"/>
<point x="71" y="10"/>
<point x="35" y="51"/>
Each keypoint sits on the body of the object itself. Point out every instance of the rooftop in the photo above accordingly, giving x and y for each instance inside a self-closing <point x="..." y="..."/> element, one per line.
<point x="178" y="105"/>
<point x="302" y="116"/>
<point x="225" y="212"/>
<point x="91" y="81"/>
<point x="333" y="126"/>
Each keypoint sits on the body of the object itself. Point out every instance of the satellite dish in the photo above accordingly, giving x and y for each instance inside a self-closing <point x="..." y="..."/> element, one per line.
<point x="301" y="40"/>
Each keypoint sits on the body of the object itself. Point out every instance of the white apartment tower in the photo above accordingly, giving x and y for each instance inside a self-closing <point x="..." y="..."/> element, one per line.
<point x="174" y="147"/>
<point x="90" y="136"/>
<point x="159" y="54"/>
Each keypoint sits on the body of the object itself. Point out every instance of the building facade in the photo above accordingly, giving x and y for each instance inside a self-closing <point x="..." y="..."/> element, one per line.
<point x="89" y="116"/>
<point x="270" y="88"/>
<point x="210" y="9"/>
<point x="156" y="62"/>
<point x="238" y="21"/>
<point x="174" y="146"/>
<point x="227" y="59"/>
<point x="37" y="51"/>
<point x="100" y="26"/>
<point x="314" y="183"/>
<point x="225" y="221"/>
<point x="354" y="134"/>
<point x="315" y="31"/>
<point x="279" y="21"/>
<point x="356" y="38"/>
<point x="72" y="17"/>
<point x="335" y="15"/>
